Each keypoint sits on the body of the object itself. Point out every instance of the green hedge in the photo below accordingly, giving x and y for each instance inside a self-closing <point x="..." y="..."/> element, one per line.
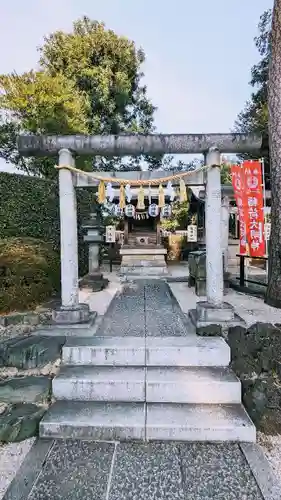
<point x="29" y="273"/>
<point x="29" y="207"/>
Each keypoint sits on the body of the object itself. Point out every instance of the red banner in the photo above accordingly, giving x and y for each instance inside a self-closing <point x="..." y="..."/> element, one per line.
<point x="254" y="203"/>
<point x="238" y="182"/>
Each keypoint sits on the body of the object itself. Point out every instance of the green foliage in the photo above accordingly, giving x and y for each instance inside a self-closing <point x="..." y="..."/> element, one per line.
<point x="225" y="174"/>
<point x="254" y="117"/>
<point x="105" y="67"/>
<point x="89" y="81"/>
<point x="44" y="104"/>
<point x="29" y="273"/>
<point x="178" y="218"/>
<point x="30" y="208"/>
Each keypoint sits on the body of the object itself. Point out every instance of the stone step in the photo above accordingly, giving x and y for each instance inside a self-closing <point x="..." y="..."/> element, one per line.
<point x="97" y="421"/>
<point x="199" y="385"/>
<point x="102" y="383"/>
<point x="128" y="421"/>
<point x="152" y="351"/>
<point x="144" y="270"/>
<point x="101" y="351"/>
<point x="187" y="351"/>
<point x="210" y="385"/>
<point x="181" y="422"/>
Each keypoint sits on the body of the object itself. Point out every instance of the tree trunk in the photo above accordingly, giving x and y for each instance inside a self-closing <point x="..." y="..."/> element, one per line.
<point x="273" y="295"/>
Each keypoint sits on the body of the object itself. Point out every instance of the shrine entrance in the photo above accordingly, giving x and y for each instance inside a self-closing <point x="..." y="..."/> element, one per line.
<point x="142" y="226"/>
<point x="146" y="183"/>
<point x="142" y="229"/>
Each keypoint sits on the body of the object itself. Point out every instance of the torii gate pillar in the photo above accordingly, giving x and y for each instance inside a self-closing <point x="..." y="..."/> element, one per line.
<point x="70" y="312"/>
<point x="214" y="310"/>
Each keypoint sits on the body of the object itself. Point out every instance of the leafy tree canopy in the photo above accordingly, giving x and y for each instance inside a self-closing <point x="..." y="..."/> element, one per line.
<point x="254" y="117"/>
<point x="89" y="81"/>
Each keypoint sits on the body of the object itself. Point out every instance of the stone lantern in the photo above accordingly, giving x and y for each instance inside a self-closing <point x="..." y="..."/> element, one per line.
<point x="94" y="279"/>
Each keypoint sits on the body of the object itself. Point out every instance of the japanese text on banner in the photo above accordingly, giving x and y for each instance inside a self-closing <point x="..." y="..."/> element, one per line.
<point x="254" y="199"/>
<point x="238" y="182"/>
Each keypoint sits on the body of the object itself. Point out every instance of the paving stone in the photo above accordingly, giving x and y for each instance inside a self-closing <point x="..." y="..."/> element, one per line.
<point x="74" y="470"/>
<point x="143" y="472"/>
<point x="218" y="471"/>
<point x="147" y="307"/>
<point x="125" y="315"/>
<point x="25" y="389"/>
<point x="20" y="421"/>
<point x="132" y="325"/>
<point x="30" y="352"/>
<point x="162" y="323"/>
<point x="30" y="468"/>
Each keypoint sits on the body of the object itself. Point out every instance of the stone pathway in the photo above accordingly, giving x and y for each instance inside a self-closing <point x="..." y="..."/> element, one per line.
<point x="145" y="308"/>
<point x="80" y="470"/>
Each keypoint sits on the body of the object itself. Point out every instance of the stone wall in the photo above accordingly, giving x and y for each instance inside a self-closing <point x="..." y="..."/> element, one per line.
<point x="256" y="359"/>
<point x="27" y="365"/>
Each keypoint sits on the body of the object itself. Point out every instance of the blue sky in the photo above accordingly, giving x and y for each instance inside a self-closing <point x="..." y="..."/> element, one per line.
<point x="199" y="52"/>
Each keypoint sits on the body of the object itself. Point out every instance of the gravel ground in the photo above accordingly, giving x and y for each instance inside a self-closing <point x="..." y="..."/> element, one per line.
<point x="11" y="458"/>
<point x="271" y="446"/>
<point x="8" y="332"/>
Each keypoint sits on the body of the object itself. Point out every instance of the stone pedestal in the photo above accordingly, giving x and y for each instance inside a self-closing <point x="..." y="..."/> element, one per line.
<point x="71" y="315"/>
<point x="143" y="261"/>
<point x="209" y="313"/>
<point x="212" y="320"/>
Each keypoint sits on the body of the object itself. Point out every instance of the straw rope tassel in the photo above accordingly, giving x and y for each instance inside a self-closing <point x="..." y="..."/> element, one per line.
<point x="140" y="204"/>
<point x="101" y="193"/>
<point x="161" y="196"/>
<point x="139" y="182"/>
<point x="122" y="198"/>
<point x="183" y="193"/>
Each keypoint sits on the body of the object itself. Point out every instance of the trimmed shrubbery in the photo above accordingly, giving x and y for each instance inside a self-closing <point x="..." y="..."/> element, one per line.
<point x="29" y="212"/>
<point x="29" y="273"/>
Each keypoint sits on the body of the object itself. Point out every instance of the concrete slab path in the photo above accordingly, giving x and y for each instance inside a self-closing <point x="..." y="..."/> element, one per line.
<point x="145" y="308"/>
<point x="81" y="470"/>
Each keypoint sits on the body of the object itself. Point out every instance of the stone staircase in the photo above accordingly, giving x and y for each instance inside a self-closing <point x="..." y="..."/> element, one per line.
<point x="147" y="388"/>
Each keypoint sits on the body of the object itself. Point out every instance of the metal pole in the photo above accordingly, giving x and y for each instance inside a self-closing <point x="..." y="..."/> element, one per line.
<point x="242" y="270"/>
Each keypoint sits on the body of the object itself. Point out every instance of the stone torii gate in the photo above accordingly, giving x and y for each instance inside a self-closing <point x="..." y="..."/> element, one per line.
<point x="210" y="145"/>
